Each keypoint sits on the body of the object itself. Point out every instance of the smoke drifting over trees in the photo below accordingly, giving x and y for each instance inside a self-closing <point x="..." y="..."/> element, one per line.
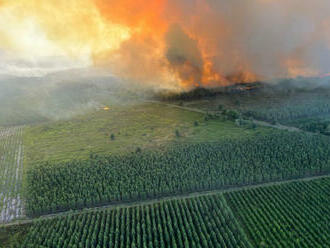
<point x="164" y="43"/>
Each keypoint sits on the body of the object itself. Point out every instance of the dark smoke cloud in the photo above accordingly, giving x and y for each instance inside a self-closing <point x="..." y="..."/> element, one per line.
<point x="272" y="38"/>
<point x="205" y="41"/>
<point x="183" y="55"/>
<point x="215" y="42"/>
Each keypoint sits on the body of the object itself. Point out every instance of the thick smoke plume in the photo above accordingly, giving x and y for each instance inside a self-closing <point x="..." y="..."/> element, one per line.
<point x="183" y="55"/>
<point x="176" y="43"/>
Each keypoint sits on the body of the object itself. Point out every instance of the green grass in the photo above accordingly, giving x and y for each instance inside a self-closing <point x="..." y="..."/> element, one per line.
<point x="289" y="215"/>
<point x="145" y="126"/>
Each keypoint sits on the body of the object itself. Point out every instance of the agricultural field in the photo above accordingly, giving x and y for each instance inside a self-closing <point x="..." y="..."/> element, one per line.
<point x="164" y="123"/>
<point x="106" y="179"/>
<point x="128" y="153"/>
<point x="287" y="108"/>
<point x="288" y="215"/>
<point x="319" y="124"/>
<point x="294" y="214"/>
<point x="197" y="222"/>
<point x="11" y="167"/>
<point x="123" y="129"/>
<point x="270" y="104"/>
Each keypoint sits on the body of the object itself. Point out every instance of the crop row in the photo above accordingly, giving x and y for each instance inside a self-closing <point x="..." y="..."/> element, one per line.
<point x="53" y="187"/>
<point x="11" y="165"/>
<point x="290" y="215"/>
<point x="197" y="222"/>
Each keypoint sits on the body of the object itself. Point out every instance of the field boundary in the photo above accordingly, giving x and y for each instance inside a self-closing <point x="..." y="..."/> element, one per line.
<point x="161" y="199"/>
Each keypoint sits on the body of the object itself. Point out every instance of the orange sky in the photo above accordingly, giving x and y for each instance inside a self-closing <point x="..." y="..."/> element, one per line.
<point x="178" y="43"/>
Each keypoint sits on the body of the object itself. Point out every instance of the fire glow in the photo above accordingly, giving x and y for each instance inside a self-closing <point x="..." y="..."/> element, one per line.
<point x="175" y="43"/>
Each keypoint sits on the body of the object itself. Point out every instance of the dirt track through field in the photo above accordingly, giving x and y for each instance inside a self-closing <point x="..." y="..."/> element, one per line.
<point x="257" y="122"/>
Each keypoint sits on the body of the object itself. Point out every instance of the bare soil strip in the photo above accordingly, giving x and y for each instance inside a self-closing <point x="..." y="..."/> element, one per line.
<point x="11" y="167"/>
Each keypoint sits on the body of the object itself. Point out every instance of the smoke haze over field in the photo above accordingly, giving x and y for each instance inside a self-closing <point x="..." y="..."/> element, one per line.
<point x="168" y="42"/>
<point x="61" y="95"/>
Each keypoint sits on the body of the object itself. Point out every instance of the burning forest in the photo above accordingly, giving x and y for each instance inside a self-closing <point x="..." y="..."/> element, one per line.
<point x="167" y="43"/>
<point x="164" y="123"/>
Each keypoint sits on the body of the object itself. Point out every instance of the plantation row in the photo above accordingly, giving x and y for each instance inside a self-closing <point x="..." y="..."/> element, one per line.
<point x="11" y="165"/>
<point x="197" y="222"/>
<point x="290" y="215"/>
<point x="289" y="109"/>
<point x="287" y="215"/>
<point x="101" y="180"/>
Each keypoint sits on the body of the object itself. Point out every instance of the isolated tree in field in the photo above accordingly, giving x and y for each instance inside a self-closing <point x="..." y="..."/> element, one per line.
<point x="112" y="136"/>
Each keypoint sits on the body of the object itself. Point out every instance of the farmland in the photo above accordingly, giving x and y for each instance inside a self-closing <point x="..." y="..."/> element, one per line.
<point x="294" y="214"/>
<point x="145" y="158"/>
<point x="271" y="103"/>
<point x="197" y="222"/>
<point x="11" y="166"/>
<point x="165" y="123"/>
<point x="144" y="125"/>
<point x="318" y="124"/>
<point x="289" y="215"/>
<point x="59" y="186"/>
<point x="284" y="109"/>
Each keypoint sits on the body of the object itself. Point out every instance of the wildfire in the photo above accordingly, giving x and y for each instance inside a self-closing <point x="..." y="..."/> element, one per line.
<point x="173" y="43"/>
<point x="297" y="68"/>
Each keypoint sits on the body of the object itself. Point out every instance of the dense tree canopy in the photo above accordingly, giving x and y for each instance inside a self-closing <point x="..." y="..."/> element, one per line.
<point x="52" y="187"/>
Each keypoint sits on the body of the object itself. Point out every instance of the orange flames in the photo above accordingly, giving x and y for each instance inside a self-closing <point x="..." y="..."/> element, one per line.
<point x="165" y="42"/>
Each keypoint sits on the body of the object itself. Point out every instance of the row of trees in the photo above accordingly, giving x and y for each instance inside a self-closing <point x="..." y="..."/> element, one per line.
<point x="197" y="222"/>
<point x="317" y="125"/>
<point x="290" y="215"/>
<point x="52" y="187"/>
<point x="288" y="109"/>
